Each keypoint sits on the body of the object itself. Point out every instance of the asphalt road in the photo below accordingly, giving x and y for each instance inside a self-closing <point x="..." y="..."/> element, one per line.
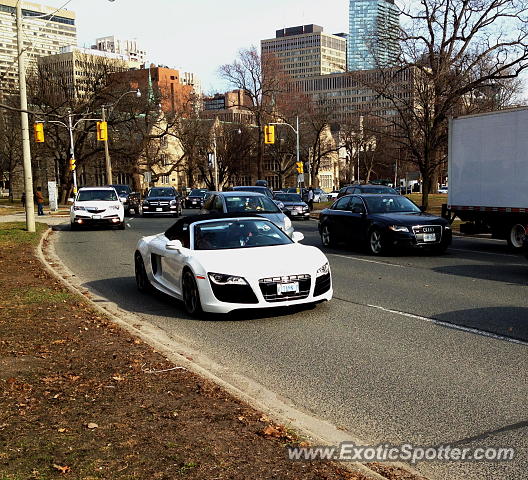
<point x="384" y="360"/>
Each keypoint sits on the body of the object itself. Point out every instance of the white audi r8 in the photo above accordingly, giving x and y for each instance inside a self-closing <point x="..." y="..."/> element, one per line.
<point x="221" y="263"/>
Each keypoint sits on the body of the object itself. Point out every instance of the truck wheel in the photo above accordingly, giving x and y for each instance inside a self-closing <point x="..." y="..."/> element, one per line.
<point x="516" y="236"/>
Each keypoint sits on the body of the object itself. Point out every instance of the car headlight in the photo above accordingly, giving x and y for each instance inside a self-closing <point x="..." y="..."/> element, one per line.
<point x="78" y="208"/>
<point x="222" y="279"/>
<point x="447" y="227"/>
<point x="145" y="202"/>
<point x="323" y="270"/>
<point x="123" y="199"/>
<point x="173" y="202"/>
<point x="114" y="207"/>
<point x="398" y="228"/>
<point x="287" y="223"/>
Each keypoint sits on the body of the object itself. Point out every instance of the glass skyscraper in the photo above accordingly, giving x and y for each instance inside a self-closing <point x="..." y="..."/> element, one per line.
<point x="373" y="34"/>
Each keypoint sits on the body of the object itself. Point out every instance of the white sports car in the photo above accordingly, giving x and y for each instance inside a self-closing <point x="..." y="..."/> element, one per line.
<point x="220" y="263"/>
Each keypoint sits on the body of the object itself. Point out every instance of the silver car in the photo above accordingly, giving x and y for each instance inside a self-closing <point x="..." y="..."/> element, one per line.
<point x="248" y="202"/>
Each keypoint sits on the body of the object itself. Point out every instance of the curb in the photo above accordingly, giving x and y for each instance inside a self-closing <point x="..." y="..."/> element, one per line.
<point x="175" y="349"/>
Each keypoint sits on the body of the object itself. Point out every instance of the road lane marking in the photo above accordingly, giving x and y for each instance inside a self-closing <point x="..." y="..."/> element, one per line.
<point x="452" y="326"/>
<point x="365" y="260"/>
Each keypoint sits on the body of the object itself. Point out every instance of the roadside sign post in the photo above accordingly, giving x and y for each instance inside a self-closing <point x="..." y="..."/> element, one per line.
<point x="53" y="196"/>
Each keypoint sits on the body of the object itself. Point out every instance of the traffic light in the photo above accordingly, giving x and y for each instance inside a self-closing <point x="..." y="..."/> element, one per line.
<point x="299" y="166"/>
<point x="72" y="164"/>
<point x="39" y="132"/>
<point x="269" y="134"/>
<point x="102" y="131"/>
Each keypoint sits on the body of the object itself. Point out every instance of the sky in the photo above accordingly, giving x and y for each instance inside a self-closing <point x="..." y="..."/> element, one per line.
<point x="199" y="35"/>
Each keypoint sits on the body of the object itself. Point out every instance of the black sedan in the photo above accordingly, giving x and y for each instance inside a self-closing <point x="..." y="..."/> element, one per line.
<point x="196" y="198"/>
<point x="365" y="188"/>
<point x="525" y="244"/>
<point x="162" y="201"/>
<point x="382" y="223"/>
<point x="293" y="204"/>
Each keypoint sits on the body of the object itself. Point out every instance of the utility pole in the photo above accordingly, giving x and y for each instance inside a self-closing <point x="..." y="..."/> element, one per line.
<point x="360" y="141"/>
<point x="72" y="151"/>
<point x="298" y="152"/>
<point x="215" y="164"/>
<point x="108" y="162"/>
<point x="26" y="148"/>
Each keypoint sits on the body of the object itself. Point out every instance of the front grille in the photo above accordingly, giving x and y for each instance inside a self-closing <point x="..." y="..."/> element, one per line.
<point x="421" y="230"/>
<point x="234" y="293"/>
<point x="269" y="287"/>
<point x="95" y="210"/>
<point x="322" y="284"/>
<point x="158" y="204"/>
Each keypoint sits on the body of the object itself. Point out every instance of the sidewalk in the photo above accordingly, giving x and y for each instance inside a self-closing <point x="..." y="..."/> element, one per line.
<point x="82" y="399"/>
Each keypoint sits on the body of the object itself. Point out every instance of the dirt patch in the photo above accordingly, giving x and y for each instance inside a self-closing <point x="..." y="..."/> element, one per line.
<point x="82" y="399"/>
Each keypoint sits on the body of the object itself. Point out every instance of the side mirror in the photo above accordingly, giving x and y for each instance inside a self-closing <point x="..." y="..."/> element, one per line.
<point x="297" y="237"/>
<point x="422" y="208"/>
<point x="70" y="200"/>
<point x="174" y="245"/>
<point x="280" y="205"/>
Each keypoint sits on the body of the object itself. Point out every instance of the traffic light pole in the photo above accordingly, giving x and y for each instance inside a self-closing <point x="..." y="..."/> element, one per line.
<point x="108" y="162"/>
<point x="24" y="122"/>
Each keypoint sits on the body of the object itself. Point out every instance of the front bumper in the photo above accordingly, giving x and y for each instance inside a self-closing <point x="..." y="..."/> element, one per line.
<point x="160" y="209"/>
<point x="298" y="214"/>
<point x="94" y="220"/>
<point x="410" y="240"/>
<point x="193" y="203"/>
<point x="254" y="297"/>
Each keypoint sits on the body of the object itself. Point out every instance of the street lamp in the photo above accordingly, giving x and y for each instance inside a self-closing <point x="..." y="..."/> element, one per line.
<point x="108" y="162"/>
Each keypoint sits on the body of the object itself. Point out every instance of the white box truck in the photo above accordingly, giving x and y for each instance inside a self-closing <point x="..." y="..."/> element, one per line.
<point x="488" y="174"/>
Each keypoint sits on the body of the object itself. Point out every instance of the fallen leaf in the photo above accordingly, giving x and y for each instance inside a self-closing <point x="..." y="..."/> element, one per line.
<point x="264" y="419"/>
<point x="272" y="431"/>
<point x="61" y="430"/>
<point x="91" y="426"/>
<point x="118" y="378"/>
<point x="61" y="469"/>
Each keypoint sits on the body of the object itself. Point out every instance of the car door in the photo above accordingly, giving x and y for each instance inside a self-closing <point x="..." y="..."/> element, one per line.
<point x="336" y="218"/>
<point x="356" y="219"/>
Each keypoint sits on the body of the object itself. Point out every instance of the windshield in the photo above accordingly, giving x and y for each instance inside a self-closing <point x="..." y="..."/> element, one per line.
<point x="288" y="197"/>
<point x="251" y="204"/>
<point x="247" y="233"/>
<point x="390" y="204"/>
<point x="96" y="195"/>
<point x="161" y="192"/>
<point x="122" y="189"/>
<point x="197" y="193"/>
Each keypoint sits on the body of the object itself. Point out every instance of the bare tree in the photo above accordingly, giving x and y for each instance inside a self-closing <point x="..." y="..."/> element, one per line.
<point x="450" y="50"/>
<point x="260" y="79"/>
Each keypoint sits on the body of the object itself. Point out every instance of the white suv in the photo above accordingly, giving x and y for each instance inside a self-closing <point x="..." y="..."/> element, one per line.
<point x="97" y="206"/>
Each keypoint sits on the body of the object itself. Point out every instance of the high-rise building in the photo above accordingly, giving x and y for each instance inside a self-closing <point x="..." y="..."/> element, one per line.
<point x="76" y="73"/>
<point x="46" y="30"/>
<point x="373" y="34"/>
<point x="121" y="46"/>
<point x="306" y="51"/>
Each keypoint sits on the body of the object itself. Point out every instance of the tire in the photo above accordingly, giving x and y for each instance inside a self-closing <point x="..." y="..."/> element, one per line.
<point x="326" y="237"/>
<point x="376" y="243"/>
<point x="142" y="281"/>
<point x="515" y="237"/>
<point x="191" y="295"/>
<point x="74" y="226"/>
<point x="122" y="225"/>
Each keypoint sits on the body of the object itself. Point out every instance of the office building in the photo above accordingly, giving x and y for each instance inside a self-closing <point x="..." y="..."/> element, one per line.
<point x="46" y="30"/>
<point x="306" y="51"/>
<point x="373" y="34"/>
<point x="234" y="107"/>
<point x="78" y="73"/>
<point x="163" y="84"/>
<point x="113" y="44"/>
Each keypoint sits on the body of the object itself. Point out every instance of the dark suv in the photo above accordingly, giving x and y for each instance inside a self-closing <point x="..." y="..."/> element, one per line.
<point x="130" y="200"/>
<point x="196" y="198"/>
<point x="162" y="201"/>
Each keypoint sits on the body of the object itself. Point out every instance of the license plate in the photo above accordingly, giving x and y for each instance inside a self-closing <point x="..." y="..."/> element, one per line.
<point x="97" y="217"/>
<point x="159" y="209"/>
<point x="194" y="202"/>
<point x="429" y="237"/>
<point x="288" y="288"/>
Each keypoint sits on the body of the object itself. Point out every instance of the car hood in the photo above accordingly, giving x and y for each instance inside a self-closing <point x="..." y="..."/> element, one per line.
<point x="262" y="262"/>
<point x="99" y="204"/>
<point x="160" y="199"/>
<point x="294" y="204"/>
<point x="409" y="219"/>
